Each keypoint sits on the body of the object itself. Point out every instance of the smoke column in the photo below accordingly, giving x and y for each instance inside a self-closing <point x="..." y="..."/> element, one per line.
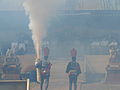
<point x="39" y="12"/>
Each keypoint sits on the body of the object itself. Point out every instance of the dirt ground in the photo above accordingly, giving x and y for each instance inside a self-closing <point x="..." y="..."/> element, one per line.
<point x="59" y="79"/>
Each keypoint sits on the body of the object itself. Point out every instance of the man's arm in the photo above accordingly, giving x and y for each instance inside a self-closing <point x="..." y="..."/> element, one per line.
<point x="78" y="69"/>
<point x="49" y="66"/>
<point x="68" y="68"/>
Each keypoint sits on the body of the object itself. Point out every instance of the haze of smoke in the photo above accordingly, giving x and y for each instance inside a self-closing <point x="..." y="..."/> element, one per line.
<point x="39" y="12"/>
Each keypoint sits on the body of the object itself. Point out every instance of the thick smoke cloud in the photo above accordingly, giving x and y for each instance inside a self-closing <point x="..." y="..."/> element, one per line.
<point x="40" y="11"/>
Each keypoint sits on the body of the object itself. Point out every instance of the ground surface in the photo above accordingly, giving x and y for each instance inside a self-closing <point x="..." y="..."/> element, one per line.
<point x="59" y="79"/>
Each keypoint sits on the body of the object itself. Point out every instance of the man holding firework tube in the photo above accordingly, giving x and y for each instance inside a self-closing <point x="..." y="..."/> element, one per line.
<point x="44" y="66"/>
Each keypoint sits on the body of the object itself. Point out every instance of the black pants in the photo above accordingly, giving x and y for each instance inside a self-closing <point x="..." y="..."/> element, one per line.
<point x="46" y="80"/>
<point x="72" y="80"/>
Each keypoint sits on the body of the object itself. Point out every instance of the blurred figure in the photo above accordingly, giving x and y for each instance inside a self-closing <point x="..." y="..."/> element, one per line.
<point x="0" y="52"/>
<point x="21" y="49"/>
<point x="44" y="67"/>
<point x="73" y="70"/>
<point x="10" y="52"/>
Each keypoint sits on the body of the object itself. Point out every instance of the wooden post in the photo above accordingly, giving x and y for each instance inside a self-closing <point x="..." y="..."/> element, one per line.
<point x="28" y="84"/>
